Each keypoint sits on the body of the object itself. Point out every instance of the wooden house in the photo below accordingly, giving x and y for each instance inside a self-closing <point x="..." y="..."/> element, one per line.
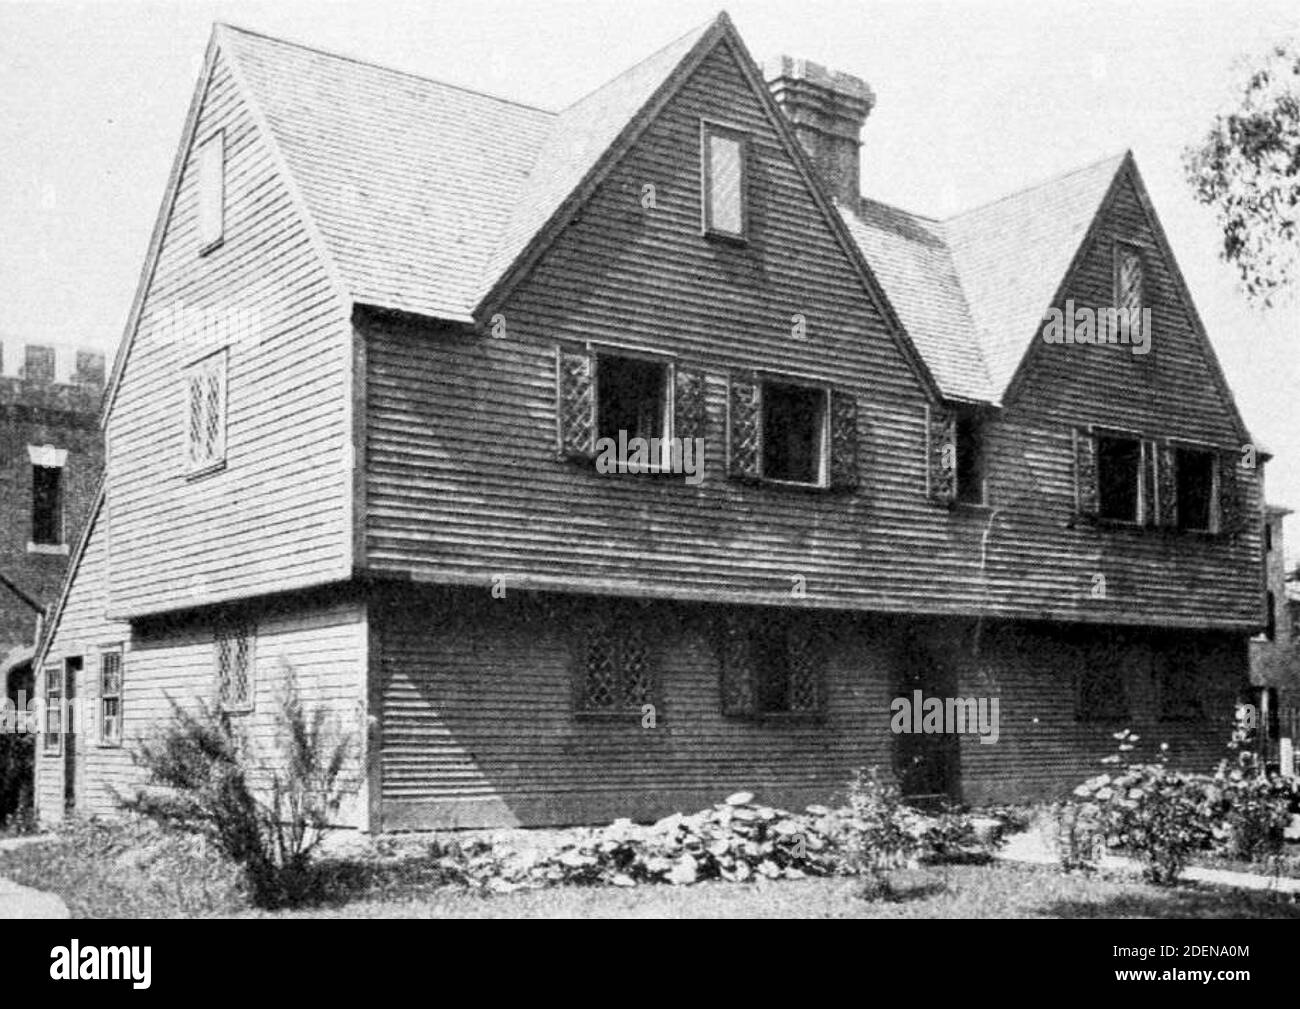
<point x="388" y="330"/>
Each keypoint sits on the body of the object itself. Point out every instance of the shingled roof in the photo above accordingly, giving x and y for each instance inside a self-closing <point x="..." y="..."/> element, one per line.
<point x="425" y="193"/>
<point x="971" y="290"/>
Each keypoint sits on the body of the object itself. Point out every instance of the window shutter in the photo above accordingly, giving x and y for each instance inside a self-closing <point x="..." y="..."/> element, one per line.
<point x="576" y="404"/>
<point x="1150" y="483"/>
<point x="744" y="423"/>
<point x="844" y="441"/>
<point x="941" y="455"/>
<point x="1167" y="476"/>
<point x="806" y="658"/>
<point x="1086" y="497"/>
<point x="690" y="405"/>
<point x="738" y="694"/>
<point x="1233" y="494"/>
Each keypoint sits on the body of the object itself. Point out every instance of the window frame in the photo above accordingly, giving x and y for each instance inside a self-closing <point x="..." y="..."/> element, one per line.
<point x="783" y="624"/>
<point x="1177" y="447"/>
<point x="204" y="163"/>
<point x="668" y="362"/>
<point x="979" y="421"/>
<point x="113" y="741"/>
<point x="234" y="626"/>
<point x="60" y="542"/>
<point x="219" y="360"/>
<point x="609" y="618"/>
<point x="765" y="378"/>
<point x="708" y="129"/>
<point x="1140" y="502"/>
<point x="1139" y="251"/>
<point x="53" y="694"/>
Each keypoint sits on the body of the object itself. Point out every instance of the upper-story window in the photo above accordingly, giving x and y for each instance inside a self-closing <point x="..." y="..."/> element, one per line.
<point x="1119" y="474"/>
<point x="724" y="178"/>
<point x="205" y="420"/>
<point x="212" y="192"/>
<point x="1195" y="480"/>
<point x="47" y="506"/>
<point x="794" y="433"/>
<point x="38" y="363"/>
<point x="47" y="498"/>
<point x="632" y="400"/>
<point x="970" y="459"/>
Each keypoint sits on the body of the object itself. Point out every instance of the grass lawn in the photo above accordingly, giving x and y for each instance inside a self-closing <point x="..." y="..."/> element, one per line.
<point x="120" y="886"/>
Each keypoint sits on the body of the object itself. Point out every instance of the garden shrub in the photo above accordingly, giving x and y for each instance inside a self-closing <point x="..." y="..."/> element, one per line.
<point x="1165" y="816"/>
<point x="268" y="813"/>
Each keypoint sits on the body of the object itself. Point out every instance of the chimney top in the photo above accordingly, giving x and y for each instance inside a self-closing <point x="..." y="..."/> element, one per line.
<point x="827" y="109"/>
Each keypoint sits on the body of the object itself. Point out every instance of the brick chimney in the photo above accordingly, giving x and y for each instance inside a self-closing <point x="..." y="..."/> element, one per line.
<point x="828" y="109"/>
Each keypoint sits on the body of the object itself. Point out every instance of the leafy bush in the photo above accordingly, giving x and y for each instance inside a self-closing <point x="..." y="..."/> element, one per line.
<point x="878" y="835"/>
<point x="1165" y="816"/>
<point x="204" y="779"/>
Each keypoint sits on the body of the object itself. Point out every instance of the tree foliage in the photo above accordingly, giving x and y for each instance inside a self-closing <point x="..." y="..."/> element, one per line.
<point x="1248" y="169"/>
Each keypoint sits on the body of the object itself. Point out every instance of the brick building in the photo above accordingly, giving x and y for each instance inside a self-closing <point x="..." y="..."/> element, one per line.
<point x="51" y="452"/>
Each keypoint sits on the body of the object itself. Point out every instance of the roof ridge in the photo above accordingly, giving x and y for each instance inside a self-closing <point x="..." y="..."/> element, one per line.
<point x="697" y="30"/>
<point x="347" y="58"/>
<point x="1040" y="184"/>
<point x="902" y="210"/>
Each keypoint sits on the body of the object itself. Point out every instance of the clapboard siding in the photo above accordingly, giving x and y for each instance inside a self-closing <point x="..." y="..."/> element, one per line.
<point x="82" y="630"/>
<point x="1167" y="393"/>
<point x="320" y="643"/>
<point x="479" y="726"/>
<point x="463" y="482"/>
<point x="278" y="515"/>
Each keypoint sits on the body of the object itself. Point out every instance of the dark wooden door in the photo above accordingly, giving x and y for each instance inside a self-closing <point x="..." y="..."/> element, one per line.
<point x="926" y="765"/>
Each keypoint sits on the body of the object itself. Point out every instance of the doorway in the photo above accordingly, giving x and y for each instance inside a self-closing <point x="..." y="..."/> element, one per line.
<point x="926" y="764"/>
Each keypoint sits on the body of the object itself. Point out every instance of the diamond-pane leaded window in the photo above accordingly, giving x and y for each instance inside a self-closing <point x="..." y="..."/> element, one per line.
<point x="616" y="672"/>
<point x="110" y="697"/>
<point x="205" y="427"/>
<point x="234" y="659"/>
<point x="772" y="664"/>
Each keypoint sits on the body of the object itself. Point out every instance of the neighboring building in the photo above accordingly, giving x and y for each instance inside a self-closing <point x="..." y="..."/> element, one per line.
<point x="386" y="324"/>
<point x="50" y="458"/>
<point x="1275" y="653"/>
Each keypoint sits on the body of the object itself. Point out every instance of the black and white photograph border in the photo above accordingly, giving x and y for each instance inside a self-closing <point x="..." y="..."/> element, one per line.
<point x="603" y="460"/>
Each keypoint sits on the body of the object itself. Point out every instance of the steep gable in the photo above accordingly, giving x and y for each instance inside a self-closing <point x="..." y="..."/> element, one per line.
<point x="1013" y="254"/>
<point x="1177" y="388"/>
<point x="275" y="512"/>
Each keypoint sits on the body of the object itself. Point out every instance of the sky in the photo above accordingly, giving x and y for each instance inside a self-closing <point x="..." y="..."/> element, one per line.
<point x="975" y="99"/>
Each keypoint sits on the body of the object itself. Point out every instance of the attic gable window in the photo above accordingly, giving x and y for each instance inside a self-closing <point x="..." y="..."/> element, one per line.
<point x="1128" y="281"/>
<point x="211" y="192"/>
<point x="724" y="178"/>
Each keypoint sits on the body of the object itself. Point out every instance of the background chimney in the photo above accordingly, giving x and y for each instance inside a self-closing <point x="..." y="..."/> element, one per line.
<point x="827" y="109"/>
